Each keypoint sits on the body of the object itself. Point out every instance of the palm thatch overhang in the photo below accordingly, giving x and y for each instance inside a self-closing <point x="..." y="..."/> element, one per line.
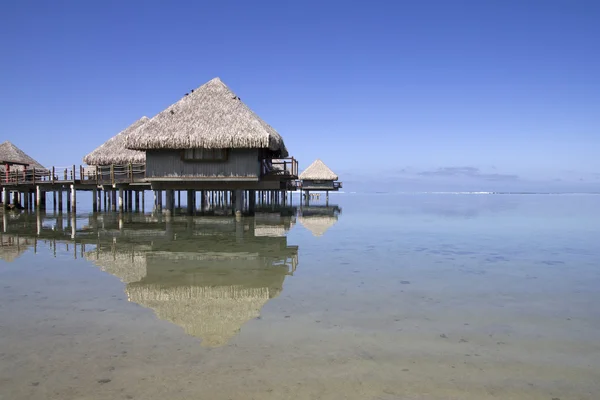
<point x="318" y="171"/>
<point x="210" y="117"/>
<point x="113" y="151"/>
<point x="11" y="155"/>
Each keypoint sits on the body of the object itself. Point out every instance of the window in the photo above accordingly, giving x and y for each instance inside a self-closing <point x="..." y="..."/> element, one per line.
<point x="205" y="154"/>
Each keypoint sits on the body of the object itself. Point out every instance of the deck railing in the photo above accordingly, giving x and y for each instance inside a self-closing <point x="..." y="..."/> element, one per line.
<point x="101" y="175"/>
<point x="284" y="167"/>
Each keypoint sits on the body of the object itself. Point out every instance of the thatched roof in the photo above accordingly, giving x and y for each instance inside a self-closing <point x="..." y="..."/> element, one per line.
<point x="318" y="225"/>
<point x="113" y="151"/>
<point x="11" y="154"/>
<point x="210" y="117"/>
<point x="318" y="171"/>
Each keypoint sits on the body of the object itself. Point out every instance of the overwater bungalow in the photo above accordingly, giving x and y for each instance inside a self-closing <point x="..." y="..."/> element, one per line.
<point x="318" y="177"/>
<point x="17" y="166"/>
<point x="208" y="281"/>
<point x="211" y="140"/>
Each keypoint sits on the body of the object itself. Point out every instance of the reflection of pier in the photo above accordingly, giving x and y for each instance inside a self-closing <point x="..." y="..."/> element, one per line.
<point x="209" y="275"/>
<point x="318" y="219"/>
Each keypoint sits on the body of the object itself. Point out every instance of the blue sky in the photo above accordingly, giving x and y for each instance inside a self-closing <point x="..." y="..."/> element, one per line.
<point x="427" y="95"/>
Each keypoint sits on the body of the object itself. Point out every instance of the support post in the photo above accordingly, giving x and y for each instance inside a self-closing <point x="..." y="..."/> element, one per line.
<point x="60" y="201"/>
<point x="73" y="199"/>
<point x="129" y="200"/>
<point x="170" y="200"/>
<point x="239" y="202"/>
<point x="95" y="200"/>
<point x="190" y="201"/>
<point x="251" y="201"/>
<point x="120" y="199"/>
<point x="38" y="197"/>
<point x="143" y="200"/>
<point x="5" y="198"/>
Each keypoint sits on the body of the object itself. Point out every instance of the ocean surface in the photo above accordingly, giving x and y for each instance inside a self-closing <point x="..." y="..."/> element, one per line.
<point x="371" y="297"/>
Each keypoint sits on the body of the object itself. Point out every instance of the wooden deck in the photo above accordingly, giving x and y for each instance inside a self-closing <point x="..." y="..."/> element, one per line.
<point x="93" y="177"/>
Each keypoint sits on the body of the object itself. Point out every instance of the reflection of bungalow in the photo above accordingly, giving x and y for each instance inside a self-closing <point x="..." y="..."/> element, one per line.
<point x="211" y="140"/>
<point x="271" y="224"/>
<point x="114" y="153"/>
<point x="208" y="275"/>
<point x="319" y="177"/>
<point x="11" y="247"/>
<point x="127" y="263"/>
<point x="210" y="295"/>
<point x="318" y="219"/>
<point x="318" y="225"/>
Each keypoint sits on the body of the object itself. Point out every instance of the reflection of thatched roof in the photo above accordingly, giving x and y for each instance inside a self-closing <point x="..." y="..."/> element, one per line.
<point x="113" y="151"/>
<point x="211" y="116"/>
<point x="214" y="314"/>
<point x="128" y="266"/>
<point x="11" y="154"/>
<point x="12" y="247"/>
<point x="318" y="171"/>
<point x="318" y="225"/>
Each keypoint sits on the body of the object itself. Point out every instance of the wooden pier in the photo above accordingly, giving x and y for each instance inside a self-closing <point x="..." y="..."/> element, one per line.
<point x="123" y="187"/>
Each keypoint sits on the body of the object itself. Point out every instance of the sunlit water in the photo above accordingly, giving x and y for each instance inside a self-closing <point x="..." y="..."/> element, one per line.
<point x="394" y="297"/>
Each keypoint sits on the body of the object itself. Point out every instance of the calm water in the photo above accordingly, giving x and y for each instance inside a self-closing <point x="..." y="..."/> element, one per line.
<point x="394" y="297"/>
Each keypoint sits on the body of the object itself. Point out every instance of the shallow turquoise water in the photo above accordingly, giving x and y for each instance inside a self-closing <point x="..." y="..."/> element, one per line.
<point x="395" y="297"/>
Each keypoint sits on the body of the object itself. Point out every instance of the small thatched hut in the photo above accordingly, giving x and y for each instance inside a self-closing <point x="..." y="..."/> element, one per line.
<point x="114" y="152"/>
<point x="14" y="159"/>
<point x="319" y="176"/>
<point x="212" y="125"/>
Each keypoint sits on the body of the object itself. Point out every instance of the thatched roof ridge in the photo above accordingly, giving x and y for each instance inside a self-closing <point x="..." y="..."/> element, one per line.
<point x="113" y="151"/>
<point x="318" y="171"/>
<point x="11" y="154"/>
<point x="211" y="116"/>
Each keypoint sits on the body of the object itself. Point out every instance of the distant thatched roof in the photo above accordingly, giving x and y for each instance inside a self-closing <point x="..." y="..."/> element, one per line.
<point x="113" y="151"/>
<point x="11" y="154"/>
<point x="318" y="225"/>
<point x="318" y="171"/>
<point x="211" y="116"/>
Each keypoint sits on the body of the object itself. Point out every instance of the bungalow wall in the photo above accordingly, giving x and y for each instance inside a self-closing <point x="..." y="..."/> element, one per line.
<point x="317" y="185"/>
<point x="170" y="163"/>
